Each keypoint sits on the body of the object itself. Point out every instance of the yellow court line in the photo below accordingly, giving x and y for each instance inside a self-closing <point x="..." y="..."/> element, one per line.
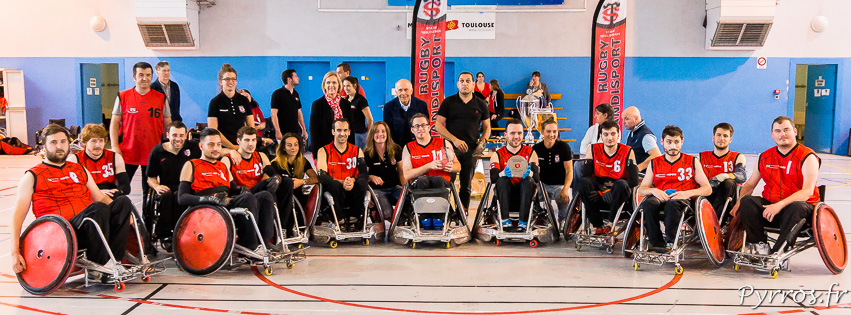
<point x="839" y="168"/>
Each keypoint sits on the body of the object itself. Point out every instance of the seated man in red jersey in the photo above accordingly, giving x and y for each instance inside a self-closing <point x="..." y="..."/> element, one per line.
<point x="106" y="167"/>
<point x="343" y="174"/>
<point x="610" y="177"/>
<point x="509" y="186"/>
<point x="66" y="189"/>
<point x="669" y="184"/>
<point x="789" y="171"/>
<point x="723" y="167"/>
<point x="208" y="181"/>
<point x="427" y="163"/>
<point x="251" y="169"/>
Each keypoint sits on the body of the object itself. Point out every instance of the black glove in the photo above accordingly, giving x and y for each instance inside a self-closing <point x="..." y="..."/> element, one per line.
<point x="219" y="199"/>
<point x="272" y="184"/>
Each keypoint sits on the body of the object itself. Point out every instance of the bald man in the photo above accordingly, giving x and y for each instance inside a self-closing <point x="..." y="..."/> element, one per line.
<point x="640" y="138"/>
<point x="398" y="111"/>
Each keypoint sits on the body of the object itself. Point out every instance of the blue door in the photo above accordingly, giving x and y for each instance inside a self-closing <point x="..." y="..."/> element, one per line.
<point x="372" y="78"/>
<point x="90" y="74"/>
<point x="309" y="89"/>
<point x="821" y="97"/>
<point x="450" y="81"/>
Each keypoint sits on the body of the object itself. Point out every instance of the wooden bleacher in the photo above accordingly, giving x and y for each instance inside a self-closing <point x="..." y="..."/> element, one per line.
<point x="514" y="96"/>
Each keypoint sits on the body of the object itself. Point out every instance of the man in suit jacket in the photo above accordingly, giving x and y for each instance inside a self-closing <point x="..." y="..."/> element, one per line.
<point x="169" y="88"/>
<point x="398" y="111"/>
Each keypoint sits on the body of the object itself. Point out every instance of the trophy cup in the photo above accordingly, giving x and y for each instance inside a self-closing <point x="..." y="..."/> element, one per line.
<point x="532" y="113"/>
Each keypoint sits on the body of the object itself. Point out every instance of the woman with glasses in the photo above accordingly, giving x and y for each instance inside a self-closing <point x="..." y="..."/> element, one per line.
<point x="229" y="110"/>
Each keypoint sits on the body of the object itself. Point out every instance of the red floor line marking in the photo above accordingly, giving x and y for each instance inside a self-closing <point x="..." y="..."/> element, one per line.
<point x="462" y="256"/>
<point x="818" y="308"/>
<point x="30" y="308"/>
<point x="13" y="187"/>
<point x="275" y="285"/>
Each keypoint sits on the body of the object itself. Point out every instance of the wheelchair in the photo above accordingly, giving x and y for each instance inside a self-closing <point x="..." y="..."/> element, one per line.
<point x="323" y="221"/>
<point x="823" y="231"/>
<point x="578" y="226"/>
<point x="698" y="223"/>
<point x="49" y="248"/>
<point x="542" y="226"/>
<point x="305" y="200"/>
<point x="205" y="241"/>
<point x="414" y="203"/>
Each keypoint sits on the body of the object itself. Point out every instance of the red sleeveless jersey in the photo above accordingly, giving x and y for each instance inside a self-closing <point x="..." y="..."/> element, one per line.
<point x="102" y="169"/>
<point x="783" y="175"/>
<point x="503" y="154"/>
<point x="247" y="172"/>
<point x="678" y="175"/>
<point x="342" y="165"/>
<point x="141" y="124"/>
<point x="614" y="166"/>
<point x="206" y="175"/>
<point x="714" y="165"/>
<point x="422" y="155"/>
<point x="60" y="190"/>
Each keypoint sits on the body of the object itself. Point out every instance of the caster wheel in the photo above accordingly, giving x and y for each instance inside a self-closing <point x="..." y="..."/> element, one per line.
<point x="268" y="271"/>
<point x="300" y="246"/>
<point x="533" y="243"/>
<point x="609" y="250"/>
<point x="737" y="268"/>
<point x="578" y="247"/>
<point x="448" y="245"/>
<point x="146" y="279"/>
<point x="635" y="266"/>
<point x="678" y="270"/>
<point x="119" y="286"/>
<point x="497" y="242"/>
<point x="413" y="245"/>
<point x="774" y="273"/>
<point x="290" y="266"/>
<point x="366" y="242"/>
<point x="332" y="244"/>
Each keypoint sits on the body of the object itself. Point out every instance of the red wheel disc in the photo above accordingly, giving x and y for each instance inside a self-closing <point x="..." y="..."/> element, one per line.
<point x="49" y="247"/>
<point x="203" y="239"/>
<point x="830" y="238"/>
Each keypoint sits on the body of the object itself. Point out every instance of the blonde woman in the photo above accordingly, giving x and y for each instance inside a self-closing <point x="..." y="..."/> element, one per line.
<point x="325" y="109"/>
<point x="384" y="162"/>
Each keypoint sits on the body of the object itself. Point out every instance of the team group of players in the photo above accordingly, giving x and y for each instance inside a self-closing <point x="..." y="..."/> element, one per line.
<point x="93" y="183"/>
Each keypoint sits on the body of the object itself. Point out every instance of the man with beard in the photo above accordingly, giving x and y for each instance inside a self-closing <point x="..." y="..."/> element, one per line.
<point x="163" y="175"/>
<point x="106" y="167"/>
<point x="509" y="186"/>
<point x="556" y="161"/>
<point x="208" y="181"/>
<point x="610" y="178"/>
<point x="464" y="120"/>
<point x="428" y="161"/>
<point x="669" y="184"/>
<point x="723" y="167"/>
<point x="251" y="169"/>
<point x="789" y="171"/>
<point x="66" y="189"/>
<point x="343" y="173"/>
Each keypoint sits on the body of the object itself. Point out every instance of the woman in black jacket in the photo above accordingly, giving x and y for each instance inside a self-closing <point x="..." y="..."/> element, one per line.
<point x="325" y="109"/>
<point x="497" y="107"/>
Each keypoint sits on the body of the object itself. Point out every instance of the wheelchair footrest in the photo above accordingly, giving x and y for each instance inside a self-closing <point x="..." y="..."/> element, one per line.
<point x="595" y="240"/>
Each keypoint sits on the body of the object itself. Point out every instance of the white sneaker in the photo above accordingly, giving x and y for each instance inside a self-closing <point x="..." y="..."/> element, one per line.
<point x="112" y="266"/>
<point x="762" y="248"/>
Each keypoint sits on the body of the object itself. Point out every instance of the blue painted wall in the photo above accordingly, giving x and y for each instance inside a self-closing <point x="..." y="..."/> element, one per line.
<point x="692" y="92"/>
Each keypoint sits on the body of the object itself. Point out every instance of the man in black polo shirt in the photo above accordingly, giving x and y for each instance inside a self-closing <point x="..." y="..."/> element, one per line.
<point x="286" y="108"/>
<point x="555" y="160"/>
<point x="163" y="173"/>
<point x="465" y="121"/>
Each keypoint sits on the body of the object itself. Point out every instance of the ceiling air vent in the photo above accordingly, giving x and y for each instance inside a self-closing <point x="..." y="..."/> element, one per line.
<point x="166" y="35"/>
<point x="738" y="24"/>
<point x="733" y="34"/>
<point x="168" y="24"/>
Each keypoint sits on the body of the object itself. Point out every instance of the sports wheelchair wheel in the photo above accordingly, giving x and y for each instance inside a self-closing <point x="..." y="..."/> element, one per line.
<point x="632" y="233"/>
<point x="49" y="248"/>
<point x="203" y="239"/>
<point x="830" y="238"/>
<point x="574" y="217"/>
<point x="709" y="230"/>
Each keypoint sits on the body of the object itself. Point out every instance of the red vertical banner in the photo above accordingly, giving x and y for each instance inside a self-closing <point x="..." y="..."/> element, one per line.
<point x="608" y="49"/>
<point x="428" y="52"/>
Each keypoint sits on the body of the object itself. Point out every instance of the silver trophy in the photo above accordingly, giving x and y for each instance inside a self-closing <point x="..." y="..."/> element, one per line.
<point x="532" y="113"/>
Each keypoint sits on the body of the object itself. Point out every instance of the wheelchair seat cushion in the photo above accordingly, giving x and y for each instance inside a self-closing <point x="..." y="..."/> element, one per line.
<point x="431" y="200"/>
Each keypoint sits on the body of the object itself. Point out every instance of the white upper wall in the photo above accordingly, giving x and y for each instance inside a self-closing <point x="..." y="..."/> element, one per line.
<point x="60" y="28"/>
